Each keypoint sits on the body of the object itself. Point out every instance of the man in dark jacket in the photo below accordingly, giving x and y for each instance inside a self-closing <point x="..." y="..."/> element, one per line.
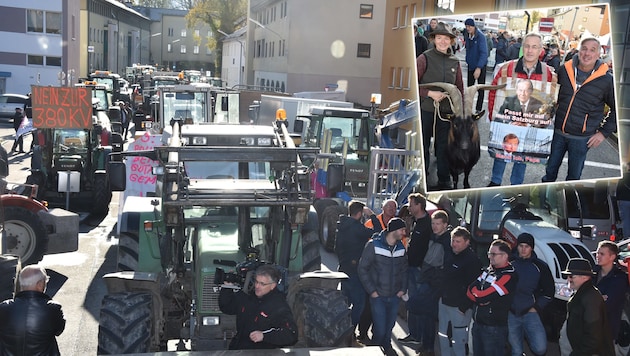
<point x="586" y="326"/>
<point x="31" y="321"/>
<point x="476" y="57"/>
<point x="418" y="246"/>
<point x="492" y="293"/>
<point x="17" y="121"/>
<point x="612" y="283"/>
<point x="534" y="291"/>
<point x="351" y="238"/>
<point x="264" y="319"/>
<point x="455" y="307"/>
<point x="383" y="273"/>
<point x="502" y="47"/>
<point x="581" y="122"/>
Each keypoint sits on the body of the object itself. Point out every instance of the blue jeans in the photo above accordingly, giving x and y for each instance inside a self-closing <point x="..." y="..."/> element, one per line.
<point x="527" y="326"/>
<point x="517" y="176"/>
<point x="384" y="315"/>
<point x="353" y="290"/>
<point x="489" y="340"/>
<point x="624" y="215"/>
<point x="413" y="321"/>
<point x="577" y="148"/>
<point x="459" y="321"/>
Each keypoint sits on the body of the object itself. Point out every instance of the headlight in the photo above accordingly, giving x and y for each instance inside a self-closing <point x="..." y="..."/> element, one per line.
<point x="264" y="141"/>
<point x="247" y="141"/>
<point x="210" y="320"/>
<point x="202" y="141"/>
<point x="185" y="141"/>
<point x="563" y="291"/>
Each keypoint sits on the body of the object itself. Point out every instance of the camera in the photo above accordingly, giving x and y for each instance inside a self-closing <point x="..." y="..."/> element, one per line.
<point x="220" y="277"/>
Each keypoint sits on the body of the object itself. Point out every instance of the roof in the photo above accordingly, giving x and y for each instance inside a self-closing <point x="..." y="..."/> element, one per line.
<point x="125" y="7"/>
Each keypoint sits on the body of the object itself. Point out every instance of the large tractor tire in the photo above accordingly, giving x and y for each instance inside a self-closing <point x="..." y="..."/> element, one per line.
<point x="128" y="249"/>
<point x="311" y="258"/>
<point x="328" y="228"/>
<point x="323" y="318"/>
<point x="125" y="324"/>
<point x="9" y="269"/>
<point x="102" y="195"/>
<point x="24" y="235"/>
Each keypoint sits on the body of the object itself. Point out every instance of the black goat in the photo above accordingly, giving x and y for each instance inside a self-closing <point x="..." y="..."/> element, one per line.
<point x="463" y="147"/>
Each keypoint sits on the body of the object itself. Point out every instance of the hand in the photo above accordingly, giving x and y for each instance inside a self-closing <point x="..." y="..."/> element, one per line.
<point x="374" y="294"/>
<point x="436" y="95"/>
<point x="256" y="336"/>
<point x="595" y="140"/>
<point x="400" y="294"/>
<point x="477" y="73"/>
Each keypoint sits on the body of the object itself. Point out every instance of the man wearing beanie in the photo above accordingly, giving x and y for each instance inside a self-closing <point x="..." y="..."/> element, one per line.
<point x="383" y="273"/>
<point x="476" y="57"/>
<point x="534" y="291"/>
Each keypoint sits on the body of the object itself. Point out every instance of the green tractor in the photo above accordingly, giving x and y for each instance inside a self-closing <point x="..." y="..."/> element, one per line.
<point x="226" y="199"/>
<point x="70" y="165"/>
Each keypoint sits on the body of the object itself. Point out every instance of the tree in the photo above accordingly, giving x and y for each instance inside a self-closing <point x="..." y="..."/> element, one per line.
<point x="221" y="16"/>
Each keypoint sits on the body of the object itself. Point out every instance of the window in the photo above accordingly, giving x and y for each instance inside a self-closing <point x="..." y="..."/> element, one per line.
<point x="53" y="22"/>
<point x="169" y="48"/>
<point x="170" y="32"/>
<point x="397" y="18"/>
<point x="392" y="82"/>
<point x="53" y="61"/>
<point x="366" y="11"/>
<point x="208" y="51"/>
<point x="401" y="77"/>
<point x="209" y="33"/>
<point x="36" y="60"/>
<point x="409" y="78"/>
<point x="182" y="49"/>
<point x="363" y="50"/>
<point x="184" y="33"/>
<point x="196" y="49"/>
<point x="196" y="33"/>
<point x="405" y="13"/>
<point x="35" y="21"/>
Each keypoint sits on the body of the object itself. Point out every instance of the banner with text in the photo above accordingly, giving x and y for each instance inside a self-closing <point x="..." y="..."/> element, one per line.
<point x="62" y="107"/>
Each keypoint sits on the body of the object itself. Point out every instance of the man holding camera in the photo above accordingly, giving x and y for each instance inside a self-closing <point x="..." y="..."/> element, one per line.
<point x="264" y="319"/>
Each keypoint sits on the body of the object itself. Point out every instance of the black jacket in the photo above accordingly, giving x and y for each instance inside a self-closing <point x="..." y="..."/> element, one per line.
<point x="580" y="111"/>
<point x="458" y="275"/>
<point x="29" y="324"/>
<point x="419" y="243"/>
<point x="351" y="238"/>
<point x="493" y="292"/>
<point x="535" y="287"/>
<point x="614" y="286"/>
<point x="270" y="314"/>
<point x="17" y="120"/>
<point x="383" y="268"/>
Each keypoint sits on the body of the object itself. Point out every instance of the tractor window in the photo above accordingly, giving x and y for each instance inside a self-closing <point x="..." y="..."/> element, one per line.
<point x="492" y="208"/>
<point x="344" y="128"/>
<point x="103" y="99"/>
<point x="185" y="105"/>
<point x="107" y="82"/>
<point x="226" y="170"/>
<point x="70" y="141"/>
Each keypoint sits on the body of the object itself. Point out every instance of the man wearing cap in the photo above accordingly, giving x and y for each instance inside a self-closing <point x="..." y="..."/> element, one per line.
<point x="586" y="325"/>
<point x="492" y="294"/>
<point x="534" y="290"/>
<point x="476" y="57"/>
<point x="383" y="273"/>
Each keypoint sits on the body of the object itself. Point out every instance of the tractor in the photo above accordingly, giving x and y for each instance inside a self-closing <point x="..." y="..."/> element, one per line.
<point x="229" y="198"/>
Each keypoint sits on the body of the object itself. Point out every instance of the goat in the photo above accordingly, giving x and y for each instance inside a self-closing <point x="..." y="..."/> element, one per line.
<point x="463" y="147"/>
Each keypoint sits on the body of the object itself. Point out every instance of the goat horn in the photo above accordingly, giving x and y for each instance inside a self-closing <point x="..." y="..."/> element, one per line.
<point x="469" y="94"/>
<point x="453" y="92"/>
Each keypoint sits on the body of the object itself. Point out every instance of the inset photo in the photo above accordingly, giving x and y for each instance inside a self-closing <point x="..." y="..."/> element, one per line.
<point x="518" y="97"/>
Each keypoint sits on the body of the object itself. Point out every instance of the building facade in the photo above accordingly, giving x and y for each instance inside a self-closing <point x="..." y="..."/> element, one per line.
<point x="234" y="56"/>
<point x="303" y="45"/>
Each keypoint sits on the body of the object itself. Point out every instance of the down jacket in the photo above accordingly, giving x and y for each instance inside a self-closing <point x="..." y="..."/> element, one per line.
<point x="29" y="324"/>
<point x="383" y="268"/>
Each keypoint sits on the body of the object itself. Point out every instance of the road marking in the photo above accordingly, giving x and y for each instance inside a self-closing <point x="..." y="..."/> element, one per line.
<point x="587" y="163"/>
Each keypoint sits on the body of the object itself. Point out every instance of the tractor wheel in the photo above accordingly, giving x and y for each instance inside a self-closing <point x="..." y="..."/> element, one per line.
<point x="9" y="269"/>
<point x="25" y="235"/>
<point x="125" y="324"/>
<point x="323" y="318"/>
<point x="128" y="248"/>
<point x="102" y="194"/>
<point x="38" y="179"/>
<point x="311" y="258"/>
<point x="622" y="345"/>
<point x="328" y="229"/>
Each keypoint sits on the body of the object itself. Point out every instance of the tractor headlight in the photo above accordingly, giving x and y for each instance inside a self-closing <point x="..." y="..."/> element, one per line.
<point x="264" y="141"/>
<point x="247" y="141"/>
<point x="210" y="320"/>
<point x="563" y="290"/>
<point x="200" y="141"/>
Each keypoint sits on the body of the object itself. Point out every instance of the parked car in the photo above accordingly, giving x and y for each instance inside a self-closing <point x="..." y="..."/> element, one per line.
<point x="8" y="103"/>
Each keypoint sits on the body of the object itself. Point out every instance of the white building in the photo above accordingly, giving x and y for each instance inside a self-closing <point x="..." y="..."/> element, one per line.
<point x="304" y="45"/>
<point x="233" y="58"/>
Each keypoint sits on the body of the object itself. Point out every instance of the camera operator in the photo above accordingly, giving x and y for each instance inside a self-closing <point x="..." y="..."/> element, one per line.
<point x="263" y="320"/>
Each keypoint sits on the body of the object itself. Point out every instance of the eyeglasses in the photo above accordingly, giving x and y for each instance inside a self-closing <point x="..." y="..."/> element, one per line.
<point x="492" y="254"/>
<point x="259" y="283"/>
